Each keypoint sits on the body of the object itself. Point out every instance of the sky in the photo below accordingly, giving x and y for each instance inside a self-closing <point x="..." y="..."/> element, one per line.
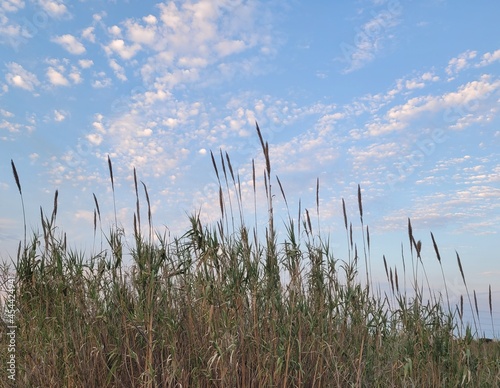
<point x="400" y="97"/>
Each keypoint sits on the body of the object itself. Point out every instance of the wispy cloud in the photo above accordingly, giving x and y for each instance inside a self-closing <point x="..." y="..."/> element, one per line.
<point x="12" y="32"/>
<point x="101" y="80"/>
<point x="371" y="38"/>
<point x="118" y="70"/>
<point x="459" y="63"/>
<point x="455" y="105"/>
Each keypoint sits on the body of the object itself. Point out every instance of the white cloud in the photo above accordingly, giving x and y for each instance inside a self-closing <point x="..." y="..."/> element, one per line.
<point x="59" y="115"/>
<point x="12" y="5"/>
<point x="228" y="47"/>
<point x="56" y="9"/>
<point x="461" y="62"/>
<point x="139" y="34"/>
<point x="469" y="119"/>
<point x="21" y="78"/>
<point x="151" y="97"/>
<point x="88" y="34"/>
<point x="414" y="84"/>
<point x="369" y="39"/>
<point x="56" y="78"/>
<point x="150" y="19"/>
<point x="97" y="17"/>
<point x="464" y="99"/>
<point x="146" y="132"/>
<point x="6" y="113"/>
<point x="125" y="52"/>
<point x="94" y="138"/>
<point x="489" y="58"/>
<point x="196" y="36"/>
<point x="11" y="127"/>
<point x="188" y="62"/>
<point x="375" y="151"/>
<point x="12" y="33"/>
<point x="70" y="44"/>
<point x="115" y="30"/>
<point x="97" y="125"/>
<point x="84" y="215"/>
<point x="85" y="63"/>
<point x="75" y="76"/>
<point x="119" y="71"/>
<point x="102" y="81"/>
<point x="181" y="76"/>
<point x="430" y="77"/>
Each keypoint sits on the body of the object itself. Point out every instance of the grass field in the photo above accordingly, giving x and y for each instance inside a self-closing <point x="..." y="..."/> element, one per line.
<point x="221" y="306"/>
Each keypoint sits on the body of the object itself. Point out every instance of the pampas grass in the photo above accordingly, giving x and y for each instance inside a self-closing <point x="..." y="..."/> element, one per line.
<point x="221" y="307"/>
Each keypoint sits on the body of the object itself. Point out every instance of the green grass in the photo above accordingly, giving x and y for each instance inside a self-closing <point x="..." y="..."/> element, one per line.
<point x="221" y="306"/>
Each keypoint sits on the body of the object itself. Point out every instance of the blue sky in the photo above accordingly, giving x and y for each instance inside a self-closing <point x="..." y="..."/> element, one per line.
<point x="401" y="97"/>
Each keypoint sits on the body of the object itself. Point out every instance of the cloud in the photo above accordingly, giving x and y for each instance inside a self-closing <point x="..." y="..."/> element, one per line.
<point x="6" y="113"/>
<point x="101" y="81"/>
<point x="139" y="34"/>
<point x="150" y="19"/>
<point x="115" y="30"/>
<point x="190" y="38"/>
<point x="228" y="47"/>
<point x="11" y="32"/>
<point x="376" y="151"/>
<point x="21" y="78"/>
<point x="430" y="77"/>
<point x="414" y="84"/>
<point x="56" y="9"/>
<point x="118" y="70"/>
<point x="97" y="124"/>
<point x="473" y="118"/>
<point x="466" y="60"/>
<point x="94" y="138"/>
<point x="70" y="44"/>
<point x="192" y="62"/>
<point x="489" y="58"/>
<point x="85" y="63"/>
<point x="11" y="127"/>
<point x="56" y="78"/>
<point x="460" y="207"/>
<point x="12" y="5"/>
<point x="119" y="47"/>
<point x="452" y="104"/>
<point x="461" y="62"/>
<point x="85" y="215"/>
<point x="59" y="115"/>
<point x="75" y="75"/>
<point x="370" y="39"/>
<point x="88" y="34"/>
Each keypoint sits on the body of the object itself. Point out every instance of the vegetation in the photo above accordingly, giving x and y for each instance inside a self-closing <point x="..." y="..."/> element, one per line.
<point x="221" y="306"/>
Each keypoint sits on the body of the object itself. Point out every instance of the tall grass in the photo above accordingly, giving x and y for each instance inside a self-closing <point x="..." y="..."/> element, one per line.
<point x="220" y="306"/>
